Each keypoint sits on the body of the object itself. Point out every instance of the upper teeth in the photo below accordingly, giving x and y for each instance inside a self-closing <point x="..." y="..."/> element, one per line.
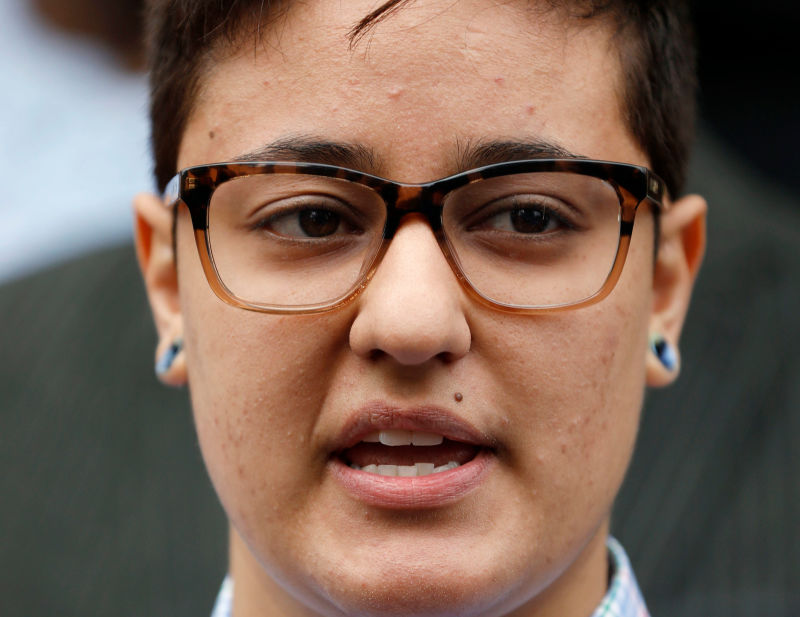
<point x="404" y="438"/>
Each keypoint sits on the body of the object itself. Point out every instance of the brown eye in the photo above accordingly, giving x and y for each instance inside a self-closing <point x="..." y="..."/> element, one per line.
<point x="318" y="223"/>
<point x="310" y="221"/>
<point x="530" y="220"/>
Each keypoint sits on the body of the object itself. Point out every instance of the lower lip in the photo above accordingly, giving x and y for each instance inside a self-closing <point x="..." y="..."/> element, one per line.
<point x="403" y="493"/>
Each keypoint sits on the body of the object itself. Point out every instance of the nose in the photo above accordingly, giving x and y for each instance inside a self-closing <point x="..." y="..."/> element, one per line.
<point x="413" y="308"/>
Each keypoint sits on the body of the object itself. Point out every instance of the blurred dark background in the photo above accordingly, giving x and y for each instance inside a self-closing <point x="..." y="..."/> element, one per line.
<point x="750" y="81"/>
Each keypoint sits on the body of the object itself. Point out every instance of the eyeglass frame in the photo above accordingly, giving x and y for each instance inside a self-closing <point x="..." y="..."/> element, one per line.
<point x="195" y="186"/>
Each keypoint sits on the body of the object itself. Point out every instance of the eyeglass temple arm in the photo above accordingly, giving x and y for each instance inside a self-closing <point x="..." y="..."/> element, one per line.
<point x="656" y="190"/>
<point x="172" y="192"/>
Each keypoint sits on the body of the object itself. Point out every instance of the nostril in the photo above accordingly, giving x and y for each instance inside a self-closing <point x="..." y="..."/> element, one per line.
<point x="445" y="357"/>
<point x="377" y="354"/>
<point x="409" y="340"/>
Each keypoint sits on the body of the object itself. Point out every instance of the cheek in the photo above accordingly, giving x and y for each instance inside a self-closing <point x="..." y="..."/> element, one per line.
<point x="257" y="383"/>
<point x="575" y="382"/>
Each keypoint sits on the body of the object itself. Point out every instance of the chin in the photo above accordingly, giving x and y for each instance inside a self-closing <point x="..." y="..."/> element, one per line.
<point x="393" y="582"/>
<point x="409" y="592"/>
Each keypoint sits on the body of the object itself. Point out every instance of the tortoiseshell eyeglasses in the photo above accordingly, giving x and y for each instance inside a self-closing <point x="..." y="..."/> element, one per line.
<point x="521" y="236"/>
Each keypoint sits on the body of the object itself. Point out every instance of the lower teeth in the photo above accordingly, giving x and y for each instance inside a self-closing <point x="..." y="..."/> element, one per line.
<point x="408" y="471"/>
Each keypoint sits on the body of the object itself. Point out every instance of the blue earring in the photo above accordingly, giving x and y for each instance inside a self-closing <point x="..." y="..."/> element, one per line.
<point x="664" y="351"/>
<point x="165" y="361"/>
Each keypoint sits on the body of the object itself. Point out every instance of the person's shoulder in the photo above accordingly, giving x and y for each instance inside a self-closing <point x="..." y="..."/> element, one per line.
<point x="94" y="450"/>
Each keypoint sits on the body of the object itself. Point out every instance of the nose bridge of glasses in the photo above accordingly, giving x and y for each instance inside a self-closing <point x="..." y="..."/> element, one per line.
<point x="408" y="199"/>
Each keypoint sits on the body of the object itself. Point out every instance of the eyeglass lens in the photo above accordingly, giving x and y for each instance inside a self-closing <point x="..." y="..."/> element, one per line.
<point x="532" y="239"/>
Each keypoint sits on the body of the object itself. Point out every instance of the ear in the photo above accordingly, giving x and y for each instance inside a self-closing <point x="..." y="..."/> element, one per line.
<point x="681" y="247"/>
<point x="154" y="249"/>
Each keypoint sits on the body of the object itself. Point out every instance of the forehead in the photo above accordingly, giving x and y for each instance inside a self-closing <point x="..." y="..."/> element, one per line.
<point x="421" y="84"/>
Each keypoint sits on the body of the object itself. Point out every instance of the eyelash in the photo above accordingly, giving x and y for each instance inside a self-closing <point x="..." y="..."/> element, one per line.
<point x="539" y="203"/>
<point x="291" y="211"/>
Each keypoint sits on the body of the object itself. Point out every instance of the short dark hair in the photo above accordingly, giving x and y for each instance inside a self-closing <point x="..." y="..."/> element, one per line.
<point x="654" y="38"/>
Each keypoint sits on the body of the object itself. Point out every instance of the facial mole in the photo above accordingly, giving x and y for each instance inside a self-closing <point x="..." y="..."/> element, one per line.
<point x="458" y="396"/>
<point x="211" y="134"/>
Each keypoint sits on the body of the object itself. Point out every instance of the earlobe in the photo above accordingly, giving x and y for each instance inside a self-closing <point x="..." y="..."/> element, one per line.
<point x="154" y="250"/>
<point x="680" y="253"/>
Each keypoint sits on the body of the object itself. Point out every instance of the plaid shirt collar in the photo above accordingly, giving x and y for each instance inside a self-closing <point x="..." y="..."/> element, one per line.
<point x="622" y="600"/>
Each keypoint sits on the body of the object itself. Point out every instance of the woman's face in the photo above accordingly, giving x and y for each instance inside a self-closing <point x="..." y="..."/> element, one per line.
<point x="548" y="405"/>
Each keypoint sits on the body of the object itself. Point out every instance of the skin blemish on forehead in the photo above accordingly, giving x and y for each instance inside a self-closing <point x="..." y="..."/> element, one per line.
<point x="499" y="80"/>
<point x="213" y="131"/>
<point x="530" y="109"/>
<point x="394" y="92"/>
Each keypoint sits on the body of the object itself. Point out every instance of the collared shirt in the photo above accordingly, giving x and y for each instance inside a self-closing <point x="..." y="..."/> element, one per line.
<point x="623" y="598"/>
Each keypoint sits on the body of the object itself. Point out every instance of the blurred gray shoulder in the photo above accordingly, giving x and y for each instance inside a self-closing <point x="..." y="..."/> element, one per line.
<point x="106" y="506"/>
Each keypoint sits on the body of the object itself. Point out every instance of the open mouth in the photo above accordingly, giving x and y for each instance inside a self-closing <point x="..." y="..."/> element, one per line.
<point x="403" y="453"/>
<point x="404" y="458"/>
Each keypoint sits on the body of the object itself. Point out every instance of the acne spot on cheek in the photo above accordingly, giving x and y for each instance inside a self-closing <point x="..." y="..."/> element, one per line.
<point x="499" y="80"/>
<point x="234" y="433"/>
<point x="529" y="109"/>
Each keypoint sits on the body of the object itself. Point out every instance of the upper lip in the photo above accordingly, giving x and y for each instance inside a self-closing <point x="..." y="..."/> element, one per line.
<point x="378" y="416"/>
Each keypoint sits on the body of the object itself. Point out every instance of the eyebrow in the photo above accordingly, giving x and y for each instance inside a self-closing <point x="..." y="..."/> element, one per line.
<point x="482" y="153"/>
<point x="469" y="155"/>
<point x="308" y="149"/>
